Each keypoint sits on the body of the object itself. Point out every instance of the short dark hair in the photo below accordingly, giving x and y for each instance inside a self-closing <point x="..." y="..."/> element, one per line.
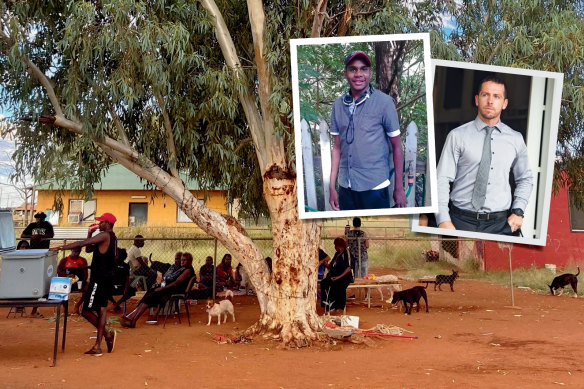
<point x="189" y="256"/>
<point x="493" y="77"/>
<point x="122" y="254"/>
<point x="22" y="243"/>
<point x="356" y="222"/>
<point x="340" y="242"/>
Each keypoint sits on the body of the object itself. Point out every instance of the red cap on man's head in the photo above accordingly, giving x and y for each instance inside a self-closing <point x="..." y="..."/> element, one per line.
<point x="107" y="217"/>
<point x="357" y="54"/>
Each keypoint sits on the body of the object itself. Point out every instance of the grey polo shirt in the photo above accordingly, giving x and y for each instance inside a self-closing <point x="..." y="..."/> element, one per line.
<point x="364" y="162"/>
<point x="460" y="161"/>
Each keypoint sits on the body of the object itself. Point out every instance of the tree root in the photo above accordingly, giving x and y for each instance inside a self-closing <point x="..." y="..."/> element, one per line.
<point x="295" y="334"/>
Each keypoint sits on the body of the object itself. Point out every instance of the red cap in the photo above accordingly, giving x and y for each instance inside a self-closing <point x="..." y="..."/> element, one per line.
<point x="357" y="54"/>
<point x="107" y="217"/>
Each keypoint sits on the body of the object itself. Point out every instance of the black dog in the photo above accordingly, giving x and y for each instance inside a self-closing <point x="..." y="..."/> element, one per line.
<point x="446" y="279"/>
<point x="563" y="280"/>
<point x="411" y="296"/>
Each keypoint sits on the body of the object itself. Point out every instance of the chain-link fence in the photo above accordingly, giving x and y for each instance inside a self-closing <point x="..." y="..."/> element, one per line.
<point x="396" y="253"/>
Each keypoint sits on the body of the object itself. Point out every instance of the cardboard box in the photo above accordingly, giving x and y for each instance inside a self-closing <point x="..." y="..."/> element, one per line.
<point x="350" y="321"/>
<point x="60" y="288"/>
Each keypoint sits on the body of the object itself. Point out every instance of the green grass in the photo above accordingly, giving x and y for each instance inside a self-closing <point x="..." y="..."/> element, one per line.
<point x="537" y="279"/>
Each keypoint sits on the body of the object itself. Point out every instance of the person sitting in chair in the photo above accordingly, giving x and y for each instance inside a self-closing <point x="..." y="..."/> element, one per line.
<point x="160" y="295"/>
<point x="139" y="264"/>
<point x="206" y="274"/>
<point x="73" y="266"/>
<point x="174" y="270"/>
<point x="333" y="288"/>
<point x="121" y="285"/>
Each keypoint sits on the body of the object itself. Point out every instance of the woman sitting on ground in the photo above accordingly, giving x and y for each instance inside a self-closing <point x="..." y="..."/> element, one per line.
<point x="159" y="296"/>
<point x="225" y="276"/>
<point x="333" y="288"/>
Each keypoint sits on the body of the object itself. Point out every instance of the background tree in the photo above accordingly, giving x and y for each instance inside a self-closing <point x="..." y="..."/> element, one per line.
<point x="544" y="35"/>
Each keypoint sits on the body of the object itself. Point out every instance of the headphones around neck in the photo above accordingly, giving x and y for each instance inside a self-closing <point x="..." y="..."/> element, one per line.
<point x="348" y="99"/>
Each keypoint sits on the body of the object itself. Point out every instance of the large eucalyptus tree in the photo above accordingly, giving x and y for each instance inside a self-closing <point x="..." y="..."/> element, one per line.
<point x="203" y="87"/>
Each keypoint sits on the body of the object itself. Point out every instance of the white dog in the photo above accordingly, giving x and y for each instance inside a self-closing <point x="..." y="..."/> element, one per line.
<point x="220" y="308"/>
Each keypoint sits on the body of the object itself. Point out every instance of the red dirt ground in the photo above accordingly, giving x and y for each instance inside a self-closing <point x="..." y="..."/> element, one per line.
<point x="470" y="339"/>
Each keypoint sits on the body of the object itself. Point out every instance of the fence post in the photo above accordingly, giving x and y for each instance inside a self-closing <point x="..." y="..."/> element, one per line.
<point x="308" y="165"/>
<point x="411" y="151"/>
<point x="214" y="270"/>
<point x="359" y="262"/>
<point x="325" y="158"/>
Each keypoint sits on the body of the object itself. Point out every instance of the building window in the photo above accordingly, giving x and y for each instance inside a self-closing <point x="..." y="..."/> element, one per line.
<point x="576" y="216"/>
<point x="81" y="211"/>
<point x="182" y="217"/>
<point x="138" y="214"/>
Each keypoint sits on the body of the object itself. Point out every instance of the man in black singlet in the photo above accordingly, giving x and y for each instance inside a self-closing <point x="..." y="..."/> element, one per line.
<point x="104" y="246"/>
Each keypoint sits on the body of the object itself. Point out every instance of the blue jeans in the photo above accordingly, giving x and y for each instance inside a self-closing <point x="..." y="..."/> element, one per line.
<point x="364" y="268"/>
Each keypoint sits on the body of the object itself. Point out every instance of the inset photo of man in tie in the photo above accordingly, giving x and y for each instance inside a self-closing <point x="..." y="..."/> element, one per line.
<point x="473" y="175"/>
<point x="495" y="132"/>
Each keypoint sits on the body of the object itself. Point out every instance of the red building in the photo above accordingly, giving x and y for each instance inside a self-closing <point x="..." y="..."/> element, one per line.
<point x="564" y="244"/>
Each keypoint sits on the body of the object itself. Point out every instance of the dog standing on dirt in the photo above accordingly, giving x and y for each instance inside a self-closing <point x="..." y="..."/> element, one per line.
<point x="563" y="280"/>
<point x="222" y="307"/>
<point x="411" y="296"/>
<point x="446" y="279"/>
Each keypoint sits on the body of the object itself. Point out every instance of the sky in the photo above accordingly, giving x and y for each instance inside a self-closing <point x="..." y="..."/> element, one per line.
<point x="9" y="196"/>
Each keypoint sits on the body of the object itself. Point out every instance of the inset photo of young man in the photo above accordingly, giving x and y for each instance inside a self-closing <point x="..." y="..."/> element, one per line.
<point x="361" y="112"/>
<point x="495" y="135"/>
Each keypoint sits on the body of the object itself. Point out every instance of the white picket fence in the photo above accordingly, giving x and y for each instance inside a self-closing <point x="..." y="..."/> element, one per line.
<point x="324" y="144"/>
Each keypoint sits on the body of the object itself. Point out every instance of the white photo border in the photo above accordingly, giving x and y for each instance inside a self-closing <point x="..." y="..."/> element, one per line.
<point x="547" y="168"/>
<point x="431" y="162"/>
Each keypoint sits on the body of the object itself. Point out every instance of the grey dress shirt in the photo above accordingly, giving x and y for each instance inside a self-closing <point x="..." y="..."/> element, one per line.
<point x="364" y="160"/>
<point x="459" y="164"/>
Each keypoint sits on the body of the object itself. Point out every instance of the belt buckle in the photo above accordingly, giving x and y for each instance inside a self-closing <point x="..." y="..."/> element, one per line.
<point x="488" y="215"/>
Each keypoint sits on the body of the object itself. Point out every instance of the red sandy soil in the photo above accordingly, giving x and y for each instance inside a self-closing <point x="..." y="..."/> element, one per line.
<point x="470" y="339"/>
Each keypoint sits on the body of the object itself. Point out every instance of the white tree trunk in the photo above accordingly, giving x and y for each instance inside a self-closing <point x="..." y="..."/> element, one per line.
<point x="289" y="307"/>
<point x="287" y="296"/>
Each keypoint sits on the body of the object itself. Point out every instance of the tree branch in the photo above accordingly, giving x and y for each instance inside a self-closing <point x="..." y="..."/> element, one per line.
<point x="319" y="14"/>
<point x="345" y="19"/>
<point x="169" y="137"/>
<point x="119" y="125"/>
<point x="411" y="101"/>
<point x="274" y="147"/>
<point x="242" y="144"/>
<point x="246" y="99"/>
<point x="34" y="71"/>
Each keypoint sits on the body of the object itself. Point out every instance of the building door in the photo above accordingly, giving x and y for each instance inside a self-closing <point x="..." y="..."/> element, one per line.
<point x="138" y="214"/>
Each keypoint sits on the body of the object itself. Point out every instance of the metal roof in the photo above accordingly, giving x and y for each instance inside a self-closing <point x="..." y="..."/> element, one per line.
<point x="117" y="177"/>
